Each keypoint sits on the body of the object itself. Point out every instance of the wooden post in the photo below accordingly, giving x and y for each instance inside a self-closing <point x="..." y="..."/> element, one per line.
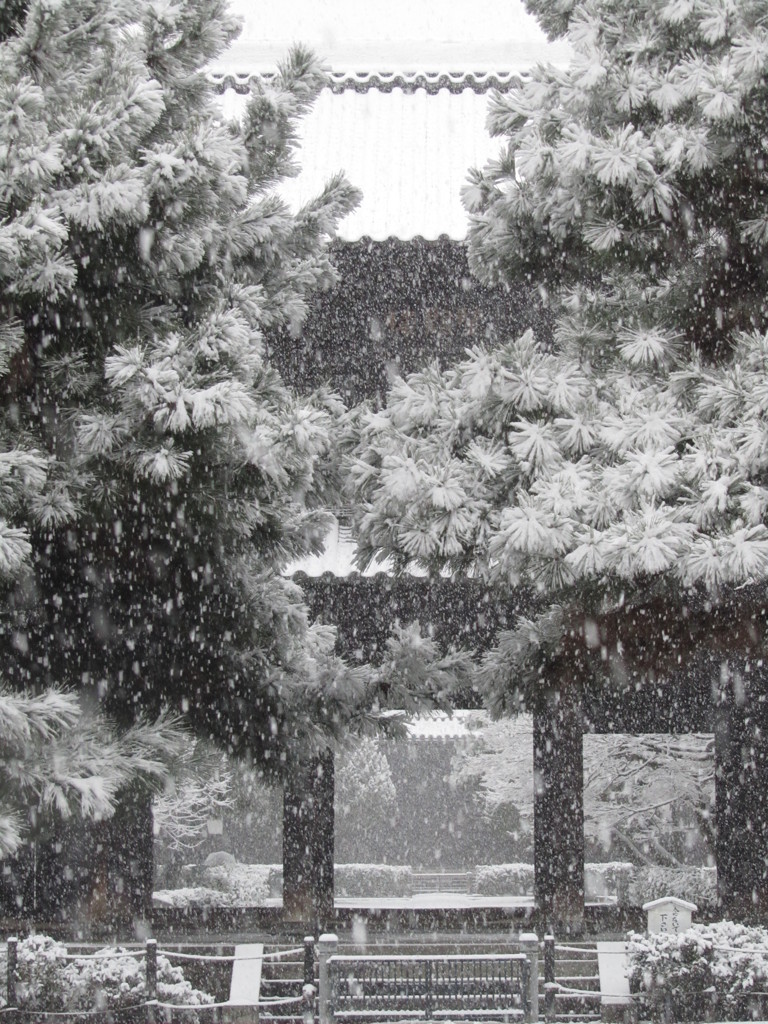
<point x="549" y="978"/>
<point x="741" y="793"/>
<point x="429" y="1001"/>
<point x="150" y="964"/>
<point x="308" y="842"/>
<point x="309" y="990"/>
<point x="558" y="809"/>
<point x="529" y="944"/>
<point x="326" y="946"/>
<point x="13" y="963"/>
<point x="323" y="840"/>
<point x="297" y="813"/>
<point x="309" y="960"/>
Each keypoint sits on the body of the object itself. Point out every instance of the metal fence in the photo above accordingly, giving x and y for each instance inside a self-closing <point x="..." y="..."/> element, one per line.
<point x="491" y="985"/>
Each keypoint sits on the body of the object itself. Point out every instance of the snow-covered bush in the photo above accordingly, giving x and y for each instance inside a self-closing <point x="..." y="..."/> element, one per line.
<point x="40" y="967"/>
<point x="191" y="896"/>
<point x="699" y="885"/>
<point x="517" y="879"/>
<point x="372" y="880"/>
<point x="713" y="969"/>
<point x="503" y="879"/>
<point x="47" y="981"/>
<point x="225" y="885"/>
<point x="250" y="885"/>
<point x="246" y="885"/>
<point x="610" y="878"/>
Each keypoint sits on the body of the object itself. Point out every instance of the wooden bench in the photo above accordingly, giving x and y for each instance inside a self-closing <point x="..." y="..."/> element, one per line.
<point x="441" y="881"/>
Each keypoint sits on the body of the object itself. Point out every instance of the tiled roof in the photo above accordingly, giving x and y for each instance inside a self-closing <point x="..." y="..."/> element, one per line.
<point x="407" y="146"/>
<point x="439" y="724"/>
<point x="391" y="36"/>
<point x="384" y="81"/>
<point x="337" y="557"/>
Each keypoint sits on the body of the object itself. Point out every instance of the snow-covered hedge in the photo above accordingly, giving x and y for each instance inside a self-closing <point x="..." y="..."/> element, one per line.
<point x="192" y="896"/>
<point x="517" y="879"/>
<point x="352" y="880"/>
<point x="708" y="972"/>
<point x="48" y="982"/>
<point x="610" y="878"/>
<point x="250" y="885"/>
<point x="698" y="885"/>
<point x="368" y="880"/>
<point x="503" y="880"/>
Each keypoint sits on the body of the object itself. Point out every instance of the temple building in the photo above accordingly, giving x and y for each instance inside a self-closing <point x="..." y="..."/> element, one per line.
<point x="406" y="134"/>
<point x="406" y="129"/>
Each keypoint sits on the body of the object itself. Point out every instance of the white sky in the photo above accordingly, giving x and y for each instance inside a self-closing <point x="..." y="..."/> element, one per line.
<point x="368" y="35"/>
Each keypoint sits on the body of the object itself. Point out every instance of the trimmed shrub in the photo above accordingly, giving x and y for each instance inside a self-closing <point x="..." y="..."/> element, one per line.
<point x="610" y="878"/>
<point x="517" y="879"/>
<point x="192" y="896"/>
<point x="222" y="885"/>
<point x="220" y="859"/>
<point x="708" y="972"/>
<point x="245" y="885"/>
<point x="250" y="885"/>
<point x="371" y="880"/>
<point x="503" y="880"/>
<point x="697" y="885"/>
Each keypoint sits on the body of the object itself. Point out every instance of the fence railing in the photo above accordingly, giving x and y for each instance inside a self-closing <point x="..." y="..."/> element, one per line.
<point x="150" y="1005"/>
<point x="497" y="985"/>
<point x="494" y="985"/>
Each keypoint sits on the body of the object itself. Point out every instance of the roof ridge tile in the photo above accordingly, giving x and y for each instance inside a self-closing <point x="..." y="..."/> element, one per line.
<point x="384" y="81"/>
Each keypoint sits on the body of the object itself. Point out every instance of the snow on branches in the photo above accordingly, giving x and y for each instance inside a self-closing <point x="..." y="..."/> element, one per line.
<point x="57" y="762"/>
<point x="156" y="474"/>
<point x="630" y="474"/>
<point x="626" y="458"/>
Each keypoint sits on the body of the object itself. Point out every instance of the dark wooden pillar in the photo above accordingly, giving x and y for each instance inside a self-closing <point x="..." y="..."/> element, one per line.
<point x="308" y="842"/>
<point x="741" y="794"/>
<point x="121" y="897"/>
<point x="558" y="810"/>
<point x="324" y="834"/>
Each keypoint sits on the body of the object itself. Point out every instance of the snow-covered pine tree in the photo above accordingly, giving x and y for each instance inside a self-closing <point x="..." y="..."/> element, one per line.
<point x="57" y="762"/>
<point x="156" y="473"/>
<point x="143" y="256"/>
<point x="647" y="797"/>
<point x="622" y="471"/>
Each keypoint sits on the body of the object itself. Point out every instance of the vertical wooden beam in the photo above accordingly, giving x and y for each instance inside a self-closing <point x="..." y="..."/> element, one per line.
<point x="119" y="890"/>
<point x="558" y="810"/>
<point x="297" y="811"/>
<point x="741" y="793"/>
<point x="323" y="840"/>
<point x="308" y="842"/>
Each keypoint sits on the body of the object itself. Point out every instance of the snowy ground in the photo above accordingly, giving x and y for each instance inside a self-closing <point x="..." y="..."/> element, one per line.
<point x="422" y="901"/>
<point x="429" y="900"/>
<point x="426" y="901"/>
